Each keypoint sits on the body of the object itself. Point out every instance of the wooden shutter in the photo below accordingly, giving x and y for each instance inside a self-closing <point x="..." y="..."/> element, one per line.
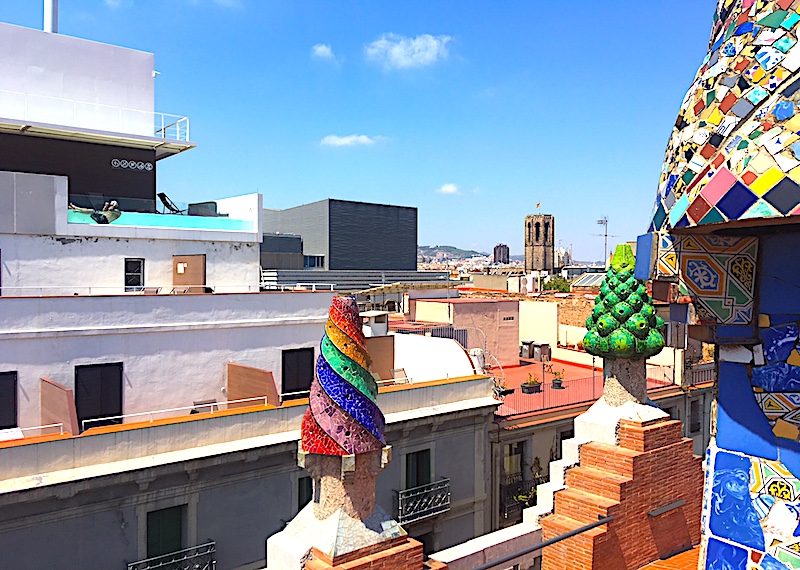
<point x="8" y="400"/>
<point x="164" y="531"/>
<point x="298" y="369"/>
<point x="98" y="392"/>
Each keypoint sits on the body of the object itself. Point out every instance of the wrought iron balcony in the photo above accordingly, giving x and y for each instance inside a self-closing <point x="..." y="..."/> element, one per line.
<point x="196" y="558"/>
<point x="423" y="501"/>
<point x="516" y="496"/>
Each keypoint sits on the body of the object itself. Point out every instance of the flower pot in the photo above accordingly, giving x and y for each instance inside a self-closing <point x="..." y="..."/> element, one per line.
<point x="531" y="388"/>
<point x="557" y="384"/>
<point x="507" y="391"/>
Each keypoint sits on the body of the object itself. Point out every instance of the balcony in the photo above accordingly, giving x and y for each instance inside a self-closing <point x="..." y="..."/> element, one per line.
<point x="571" y="392"/>
<point x="422" y="502"/>
<point x="196" y="558"/>
<point x="517" y="494"/>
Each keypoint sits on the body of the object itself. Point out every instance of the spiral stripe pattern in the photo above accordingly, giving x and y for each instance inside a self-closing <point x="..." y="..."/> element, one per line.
<point x="343" y="417"/>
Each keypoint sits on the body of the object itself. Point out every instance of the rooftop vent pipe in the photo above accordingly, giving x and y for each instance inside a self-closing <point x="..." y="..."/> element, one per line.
<point x="51" y="16"/>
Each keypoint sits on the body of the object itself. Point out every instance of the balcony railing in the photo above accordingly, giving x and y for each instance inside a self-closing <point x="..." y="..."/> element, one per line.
<point x="700" y="374"/>
<point x="517" y="495"/>
<point x="423" y="501"/>
<point x="72" y="113"/>
<point x="196" y="558"/>
<point x="571" y="392"/>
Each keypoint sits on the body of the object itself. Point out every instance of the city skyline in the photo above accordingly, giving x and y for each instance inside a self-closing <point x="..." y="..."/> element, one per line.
<point x="473" y="113"/>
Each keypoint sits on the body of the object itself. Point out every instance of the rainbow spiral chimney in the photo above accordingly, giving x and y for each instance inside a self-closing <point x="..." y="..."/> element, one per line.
<point x="343" y="417"/>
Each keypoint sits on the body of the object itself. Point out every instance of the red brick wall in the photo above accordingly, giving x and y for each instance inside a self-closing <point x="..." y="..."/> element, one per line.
<point x="652" y="467"/>
<point x="407" y="555"/>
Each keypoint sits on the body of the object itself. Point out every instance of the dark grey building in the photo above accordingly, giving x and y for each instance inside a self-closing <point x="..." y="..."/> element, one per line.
<point x="345" y="235"/>
<point x="281" y="251"/>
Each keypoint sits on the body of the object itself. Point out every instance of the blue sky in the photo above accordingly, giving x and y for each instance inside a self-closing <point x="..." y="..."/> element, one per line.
<point x="471" y="111"/>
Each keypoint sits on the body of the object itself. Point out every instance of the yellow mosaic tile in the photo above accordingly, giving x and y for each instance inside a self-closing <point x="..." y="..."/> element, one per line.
<point x="766" y="181"/>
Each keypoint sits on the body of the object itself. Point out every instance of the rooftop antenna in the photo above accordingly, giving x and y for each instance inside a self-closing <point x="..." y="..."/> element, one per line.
<point x="604" y="222"/>
<point x="51" y="16"/>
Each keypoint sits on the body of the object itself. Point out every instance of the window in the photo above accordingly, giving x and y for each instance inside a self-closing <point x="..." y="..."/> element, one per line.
<point x="98" y="393"/>
<point x="165" y="531"/>
<point x="418" y="468"/>
<point x="508" y="318"/>
<point x="297" y="372"/>
<point x="673" y="412"/>
<point x="512" y="461"/>
<point x="694" y="416"/>
<point x="313" y="262"/>
<point x="538" y="227"/>
<point x="305" y="491"/>
<point x="134" y="274"/>
<point x="8" y="400"/>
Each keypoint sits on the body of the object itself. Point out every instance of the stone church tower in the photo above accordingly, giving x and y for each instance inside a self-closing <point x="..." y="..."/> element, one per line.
<point x="540" y="242"/>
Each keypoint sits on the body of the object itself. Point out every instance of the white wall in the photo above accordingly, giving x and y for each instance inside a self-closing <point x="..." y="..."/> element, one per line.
<point x="174" y="348"/>
<point x="61" y="80"/>
<point x="538" y="320"/>
<point x="429" y="358"/>
<point x="50" y="265"/>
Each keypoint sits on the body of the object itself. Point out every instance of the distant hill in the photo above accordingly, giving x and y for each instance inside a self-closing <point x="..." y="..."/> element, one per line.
<point x="433" y="252"/>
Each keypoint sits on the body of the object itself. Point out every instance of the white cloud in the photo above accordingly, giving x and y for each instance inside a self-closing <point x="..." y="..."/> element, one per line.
<point x="322" y="51"/>
<point x="448" y="189"/>
<point x="349" y="140"/>
<point x="400" y="52"/>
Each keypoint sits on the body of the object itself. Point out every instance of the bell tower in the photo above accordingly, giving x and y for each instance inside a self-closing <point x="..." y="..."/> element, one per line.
<point x="540" y="242"/>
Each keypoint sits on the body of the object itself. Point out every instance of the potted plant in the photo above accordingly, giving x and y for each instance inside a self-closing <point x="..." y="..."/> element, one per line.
<point x="532" y="385"/>
<point x="558" y="379"/>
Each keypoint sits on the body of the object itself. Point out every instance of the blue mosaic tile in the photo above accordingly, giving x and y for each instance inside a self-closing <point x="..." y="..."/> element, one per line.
<point x="736" y="201"/>
<point x="783" y="110"/>
<point x="732" y="515"/>
<point x="779" y="342"/>
<point x="350" y="399"/>
<point x="741" y="425"/>
<point x="779" y="377"/>
<point x="735" y="332"/>
<point x="769" y="562"/>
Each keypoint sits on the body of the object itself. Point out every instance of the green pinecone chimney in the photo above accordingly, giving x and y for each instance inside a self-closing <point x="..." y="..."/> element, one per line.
<point x="624" y="323"/>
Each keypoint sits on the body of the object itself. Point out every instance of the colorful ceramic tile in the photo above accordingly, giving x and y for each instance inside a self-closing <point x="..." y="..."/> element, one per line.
<point x="779" y="341"/>
<point x="746" y="74"/>
<point x="719" y="274"/>
<point x="784" y="196"/>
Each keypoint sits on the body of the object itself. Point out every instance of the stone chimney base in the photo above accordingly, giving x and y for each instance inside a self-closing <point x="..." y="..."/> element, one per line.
<point x="401" y="553"/>
<point x="651" y="484"/>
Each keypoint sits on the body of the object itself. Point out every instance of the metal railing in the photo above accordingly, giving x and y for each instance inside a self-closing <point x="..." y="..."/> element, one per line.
<point x="211" y="407"/>
<point x="200" y="557"/>
<point x="517" y="495"/>
<point x="269" y="285"/>
<point x="700" y="374"/>
<point x="11" y="434"/>
<point x="97" y="116"/>
<point x="422" y="502"/>
<point x="495" y="563"/>
<point x="571" y="392"/>
<point x="91" y="290"/>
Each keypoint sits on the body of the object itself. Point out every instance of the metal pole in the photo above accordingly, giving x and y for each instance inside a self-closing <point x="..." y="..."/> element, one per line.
<point x="546" y="543"/>
<point x="51" y="16"/>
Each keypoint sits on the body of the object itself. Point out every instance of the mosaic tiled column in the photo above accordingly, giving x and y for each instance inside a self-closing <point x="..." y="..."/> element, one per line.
<point x="343" y="448"/>
<point x="342" y="443"/>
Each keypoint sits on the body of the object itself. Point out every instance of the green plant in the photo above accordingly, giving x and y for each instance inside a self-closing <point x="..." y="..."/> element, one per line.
<point x="557" y="374"/>
<point x="532" y="380"/>
<point x="557" y="283"/>
<point x="623" y="323"/>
